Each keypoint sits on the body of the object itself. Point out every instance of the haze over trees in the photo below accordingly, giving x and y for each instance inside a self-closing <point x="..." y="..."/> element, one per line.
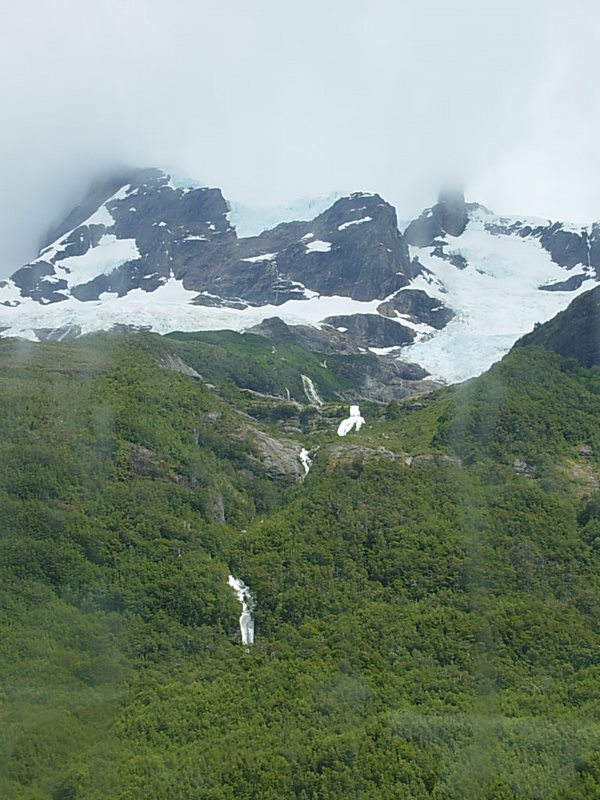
<point x="427" y="596"/>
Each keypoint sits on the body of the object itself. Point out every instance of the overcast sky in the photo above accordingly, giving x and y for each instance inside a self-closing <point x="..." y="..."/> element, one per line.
<point x="272" y="100"/>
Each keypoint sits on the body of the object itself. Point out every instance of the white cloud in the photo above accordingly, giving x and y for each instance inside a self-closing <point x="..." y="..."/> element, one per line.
<point x="272" y="101"/>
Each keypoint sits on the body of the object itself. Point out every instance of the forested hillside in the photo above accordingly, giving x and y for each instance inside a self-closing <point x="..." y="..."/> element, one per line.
<point x="427" y="596"/>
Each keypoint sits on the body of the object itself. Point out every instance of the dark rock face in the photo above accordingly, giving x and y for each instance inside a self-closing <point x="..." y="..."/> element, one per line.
<point x="358" y="332"/>
<point x="453" y="212"/>
<point x="448" y="215"/>
<point x="568" y="248"/>
<point x="573" y="333"/>
<point x="372" y="330"/>
<point x="326" y="340"/>
<point x="33" y="282"/>
<point x="570" y="285"/>
<point x="177" y="364"/>
<point x="594" y="252"/>
<point x="565" y="247"/>
<point x="280" y="458"/>
<point x="353" y="249"/>
<point x="367" y="253"/>
<point x="525" y="468"/>
<point x="65" y="334"/>
<point x="418" y="305"/>
<point x="381" y="378"/>
<point x="384" y="378"/>
<point x="144" y="461"/>
<point x="455" y="259"/>
<point x="424" y="230"/>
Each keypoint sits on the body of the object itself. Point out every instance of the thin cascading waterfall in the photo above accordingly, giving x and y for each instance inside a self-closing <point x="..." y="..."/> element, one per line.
<point x="305" y="460"/>
<point x="246" y="620"/>
<point x="310" y="391"/>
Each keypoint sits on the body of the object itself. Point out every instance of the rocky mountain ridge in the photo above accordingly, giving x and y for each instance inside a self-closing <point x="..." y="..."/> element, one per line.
<point x="452" y="293"/>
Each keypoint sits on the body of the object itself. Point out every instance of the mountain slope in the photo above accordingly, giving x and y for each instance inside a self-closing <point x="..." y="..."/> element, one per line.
<point x="150" y="230"/>
<point x="451" y="294"/>
<point x="500" y="275"/>
<point x="574" y="333"/>
<point x="426" y="609"/>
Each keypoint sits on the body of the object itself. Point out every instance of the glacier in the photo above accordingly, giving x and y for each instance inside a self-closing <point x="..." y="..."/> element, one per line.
<point x="496" y="297"/>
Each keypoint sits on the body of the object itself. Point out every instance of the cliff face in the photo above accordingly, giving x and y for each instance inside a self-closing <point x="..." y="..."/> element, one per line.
<point x="147" y="230"/>
<point x="574" y="333"/>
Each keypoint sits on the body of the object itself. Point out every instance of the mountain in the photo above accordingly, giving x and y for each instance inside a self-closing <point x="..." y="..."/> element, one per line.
<point x="574" y="333"/>
<point x="451" y="294"/>
<point x="501" y="275"/>
<point x="149" y="231"/>
<point x="425" y="590"/>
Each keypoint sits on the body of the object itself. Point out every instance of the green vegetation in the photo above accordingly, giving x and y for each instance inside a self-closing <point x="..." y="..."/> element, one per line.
<point x="423" y="631"/>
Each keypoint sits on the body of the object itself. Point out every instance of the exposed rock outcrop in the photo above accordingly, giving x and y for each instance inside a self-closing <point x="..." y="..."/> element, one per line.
<point x="147" y="230"/>
<point x="177" y="364"/>
<point x="448" y="216"/>
<point x="574" y="332"/>
<point x="419" y="307"/>
<point x="372" y="330"/>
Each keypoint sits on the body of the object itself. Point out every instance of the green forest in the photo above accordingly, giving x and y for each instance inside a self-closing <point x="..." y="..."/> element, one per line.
<point x="427" y="596"/>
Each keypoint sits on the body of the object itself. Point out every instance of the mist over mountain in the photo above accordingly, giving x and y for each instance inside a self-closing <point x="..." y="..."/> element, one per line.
<point x="270" y="105"/>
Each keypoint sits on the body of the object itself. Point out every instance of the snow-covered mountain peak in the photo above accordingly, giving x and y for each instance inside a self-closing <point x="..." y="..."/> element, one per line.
<point x="500" y="275"/>
<point x="452" y="293"/>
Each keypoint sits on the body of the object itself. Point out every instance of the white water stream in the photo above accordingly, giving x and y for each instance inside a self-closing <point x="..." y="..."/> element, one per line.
<point x="310" y="391"/>
<point x="247" y="601"/>
<point x="305" y="460"/>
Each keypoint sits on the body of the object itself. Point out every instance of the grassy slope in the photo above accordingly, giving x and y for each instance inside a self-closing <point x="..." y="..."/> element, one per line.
<point x="423" y="631"/>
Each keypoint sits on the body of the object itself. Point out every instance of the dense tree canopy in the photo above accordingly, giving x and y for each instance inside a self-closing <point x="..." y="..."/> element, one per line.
<point x="427" y="598"/>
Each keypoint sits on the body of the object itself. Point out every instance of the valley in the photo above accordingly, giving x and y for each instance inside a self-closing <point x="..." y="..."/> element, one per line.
<point x="424" y="597"/>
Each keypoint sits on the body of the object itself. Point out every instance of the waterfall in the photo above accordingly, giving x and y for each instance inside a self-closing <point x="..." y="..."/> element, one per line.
<point x="305" y="460"/>
<point x="310" y="391"/>
<point x="247" y="601"/>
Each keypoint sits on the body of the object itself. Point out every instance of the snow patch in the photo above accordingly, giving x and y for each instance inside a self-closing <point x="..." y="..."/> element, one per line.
<point x="264" y="257"/>
<point x="124" y="192"/>
<point x="100" y="217"/>
<point x="109" y="254"/>
<point x="253" y="221"/>
<point x="169" y="308"/>
<point x="353" y="421"/>
<point x="384" y="351"/>
<point x="495" y="297"/>
<point x="346" y="225"/>
<point x="318" y="246"/>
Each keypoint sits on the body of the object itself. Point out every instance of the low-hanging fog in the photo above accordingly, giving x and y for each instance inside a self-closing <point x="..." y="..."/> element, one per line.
<point x="272" y="101"/>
